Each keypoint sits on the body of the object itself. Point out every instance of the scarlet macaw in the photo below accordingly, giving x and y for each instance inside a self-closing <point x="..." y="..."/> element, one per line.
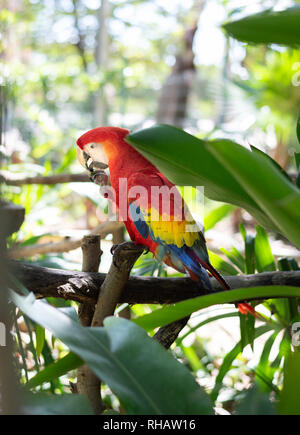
<point x="147" y="222"/>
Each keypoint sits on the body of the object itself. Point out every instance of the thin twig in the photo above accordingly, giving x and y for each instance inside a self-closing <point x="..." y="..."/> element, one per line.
<point x="68" y="244"/>
<point x="13" y="180"/>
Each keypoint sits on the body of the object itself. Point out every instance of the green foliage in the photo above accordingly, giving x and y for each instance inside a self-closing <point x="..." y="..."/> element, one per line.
<point x="268" y="27"/>
<point x="255" y="402"/>
<point x="249" y="242"/>
<point x="217" y="214"/>
<point x="228" y="171"/>
<point x="55" y="369"/>
<point x="263" y="255"/>
<point x="288" y="399"/>
<point x="297" y="158"/>
<point x="168" y="314"/>
<point x="229" y="358"/>
<point x="46" y="404"/>
<point x="51" y="90"/>
<point x="113" y="353"/>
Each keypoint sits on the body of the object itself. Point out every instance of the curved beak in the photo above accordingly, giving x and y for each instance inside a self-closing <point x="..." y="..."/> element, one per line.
<point x="88" y="163"/>
<point x="96" y="169"/>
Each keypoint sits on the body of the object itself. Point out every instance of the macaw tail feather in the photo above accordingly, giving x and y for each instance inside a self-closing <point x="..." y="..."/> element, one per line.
<point x="199" y="271"/>
<point x="243" y="307"/>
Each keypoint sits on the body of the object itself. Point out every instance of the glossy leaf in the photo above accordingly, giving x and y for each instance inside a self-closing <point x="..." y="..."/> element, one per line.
<point x="270" y="160"/>
<point x="55" y="370"/>
<point x="168" y="314"/>
<point x="249" y="242"/>
<point x="147" y="382"/>
<point x="268" y="27"/>
<point x="289" y="403"/>
<point x="285" y="263"/>
<point x="221" y="265"/>
<point x="40" y="339"/>
<point x="228" y="171"/>
<point x="247" y="329"/>
<point x="264" y="372"/>
<point x="263" y="255"/>
<point x="189" y="161"/>
<point x="277" y="197"/>
<point x="45" y="404"/>
<point x="235" y="257"/>
<point x="256" y="402"/>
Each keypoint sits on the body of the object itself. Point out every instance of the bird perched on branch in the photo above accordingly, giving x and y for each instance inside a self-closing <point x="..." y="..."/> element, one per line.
<point x="151" y="207"/>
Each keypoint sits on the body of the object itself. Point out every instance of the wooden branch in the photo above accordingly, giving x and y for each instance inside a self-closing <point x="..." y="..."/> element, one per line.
<point x="84" y="287"/>
<point x="12" y="180"/>
<point x="91" y="253"/>
<point x="124" y="257"/>
<point x="166" y="335"/>
<point x="12" y="216"/>
<point x="88" y="383"/>
<point x="67" y="244"/>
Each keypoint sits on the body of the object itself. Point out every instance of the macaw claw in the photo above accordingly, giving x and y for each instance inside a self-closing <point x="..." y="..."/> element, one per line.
<point x="99" y="177"/>
<point x="124" y="246"/>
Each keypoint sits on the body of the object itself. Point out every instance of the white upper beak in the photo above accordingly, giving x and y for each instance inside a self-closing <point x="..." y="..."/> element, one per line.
<point x="93" y="157"/>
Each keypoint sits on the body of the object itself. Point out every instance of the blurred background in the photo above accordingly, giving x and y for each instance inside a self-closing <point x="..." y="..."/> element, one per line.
<point x="67" y="66"/>
<point x="71" y="65"/>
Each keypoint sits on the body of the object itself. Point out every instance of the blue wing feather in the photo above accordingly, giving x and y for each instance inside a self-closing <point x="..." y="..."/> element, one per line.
<point x="181" y="257"/>
<point x="140" y="224"/>
<point x="185" y="254"/>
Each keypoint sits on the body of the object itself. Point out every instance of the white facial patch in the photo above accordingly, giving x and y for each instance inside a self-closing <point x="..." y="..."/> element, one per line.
<point x="96" y="152"/>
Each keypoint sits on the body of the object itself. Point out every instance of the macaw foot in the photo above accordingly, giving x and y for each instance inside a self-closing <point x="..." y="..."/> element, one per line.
<point x="121" y="250"/>
<point x="99" y="177"/>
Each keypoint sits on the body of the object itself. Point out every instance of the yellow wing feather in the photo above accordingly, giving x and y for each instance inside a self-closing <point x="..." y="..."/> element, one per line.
<point x="172" y="230"/>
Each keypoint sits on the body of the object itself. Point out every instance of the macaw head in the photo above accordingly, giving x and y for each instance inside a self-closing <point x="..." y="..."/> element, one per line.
<point x="97" y="146"/>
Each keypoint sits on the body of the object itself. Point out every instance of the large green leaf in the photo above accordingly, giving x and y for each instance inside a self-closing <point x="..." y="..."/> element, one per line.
<point x="146" y="378"/>
<point x="168" y="314"/>
<point x="268" y="27"/>
<point x="256" y="402"/>
<point x="289" y="403"/>
<point x="278" y="197"/>
<point x="189" y="161"/>
<point x="46" y="404"/>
